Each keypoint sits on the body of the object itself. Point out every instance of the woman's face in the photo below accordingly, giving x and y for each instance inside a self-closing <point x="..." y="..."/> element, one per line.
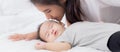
<point x="52" y="11"/>
<point x="49" y="31"/>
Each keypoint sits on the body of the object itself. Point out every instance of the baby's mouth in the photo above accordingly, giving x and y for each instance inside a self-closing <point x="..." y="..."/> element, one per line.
<point x="55" y="33"/>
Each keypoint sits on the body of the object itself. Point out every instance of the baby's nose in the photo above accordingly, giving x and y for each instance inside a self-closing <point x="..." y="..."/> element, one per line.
<point x="52" y="31"/>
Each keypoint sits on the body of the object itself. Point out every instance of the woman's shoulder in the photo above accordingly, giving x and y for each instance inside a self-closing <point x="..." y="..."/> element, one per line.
<point x="78" y="24"/>
<point x="85" y="24"/>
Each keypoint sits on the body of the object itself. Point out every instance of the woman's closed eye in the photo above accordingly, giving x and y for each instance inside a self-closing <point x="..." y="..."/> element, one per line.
<point x="47" y="11"/>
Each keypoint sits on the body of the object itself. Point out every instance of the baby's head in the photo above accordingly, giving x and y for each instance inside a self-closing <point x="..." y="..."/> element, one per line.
<point x="49" y="30"/>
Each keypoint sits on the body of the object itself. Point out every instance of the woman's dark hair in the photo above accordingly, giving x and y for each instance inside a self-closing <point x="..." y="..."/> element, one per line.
<point x="46" y="2"/>
<point x="73" y="11"/>
<point x="72" y="8"/>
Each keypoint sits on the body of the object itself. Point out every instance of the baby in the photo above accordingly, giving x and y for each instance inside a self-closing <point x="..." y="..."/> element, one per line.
<point x="100" y="36"/>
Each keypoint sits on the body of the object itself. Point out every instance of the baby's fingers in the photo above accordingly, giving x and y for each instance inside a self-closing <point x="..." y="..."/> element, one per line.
<point x="40" y="45"/>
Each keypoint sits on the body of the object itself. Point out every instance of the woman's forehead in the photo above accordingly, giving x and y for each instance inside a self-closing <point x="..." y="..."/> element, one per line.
<point x="42" y="7"/>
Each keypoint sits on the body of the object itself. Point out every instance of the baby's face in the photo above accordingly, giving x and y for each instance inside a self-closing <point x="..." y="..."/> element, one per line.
<point x="49" y="31"/>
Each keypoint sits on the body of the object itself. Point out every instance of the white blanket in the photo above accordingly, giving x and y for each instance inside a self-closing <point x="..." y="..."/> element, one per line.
<point x="18" y="46"/>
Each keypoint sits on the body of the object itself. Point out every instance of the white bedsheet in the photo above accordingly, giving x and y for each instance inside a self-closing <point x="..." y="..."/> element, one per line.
<point x="18" y="46"/>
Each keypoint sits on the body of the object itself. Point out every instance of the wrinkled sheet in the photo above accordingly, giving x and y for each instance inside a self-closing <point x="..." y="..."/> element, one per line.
<point x="18" y="46"/>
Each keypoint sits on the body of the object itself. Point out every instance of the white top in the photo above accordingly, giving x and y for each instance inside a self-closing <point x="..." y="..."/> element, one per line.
<point x="102" y="10"/>
<point x="87" y="34"/>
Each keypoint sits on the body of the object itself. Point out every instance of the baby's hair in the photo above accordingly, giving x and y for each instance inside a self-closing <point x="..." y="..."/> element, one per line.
<point x="38" y="31"/>
<point x="56" y="21"/>
<point x="53" y="20"/>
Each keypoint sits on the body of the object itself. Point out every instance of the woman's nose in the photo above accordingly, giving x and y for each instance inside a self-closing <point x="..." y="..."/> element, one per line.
<point x="49" y="16"/>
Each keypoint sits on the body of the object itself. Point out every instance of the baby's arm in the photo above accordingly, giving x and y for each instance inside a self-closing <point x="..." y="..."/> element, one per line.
<point x="28" y="36"/>
<point x="54" y="46"/>
<point x="57" y="46"/>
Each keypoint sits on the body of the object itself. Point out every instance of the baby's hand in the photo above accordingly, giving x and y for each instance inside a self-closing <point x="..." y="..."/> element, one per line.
<point x="17" y="37"/>
<point x="40" y="45"/>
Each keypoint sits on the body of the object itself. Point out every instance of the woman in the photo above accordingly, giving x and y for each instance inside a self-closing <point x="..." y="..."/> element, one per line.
<point x="55" y="9"/>
<point x="92" y="10"/>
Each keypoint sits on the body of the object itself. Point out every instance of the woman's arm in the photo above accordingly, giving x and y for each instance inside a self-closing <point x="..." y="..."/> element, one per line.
<point x="54" y="46"/>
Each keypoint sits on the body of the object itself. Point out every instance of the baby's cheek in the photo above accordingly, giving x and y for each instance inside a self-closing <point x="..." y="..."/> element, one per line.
<point x="51" y="38"/>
